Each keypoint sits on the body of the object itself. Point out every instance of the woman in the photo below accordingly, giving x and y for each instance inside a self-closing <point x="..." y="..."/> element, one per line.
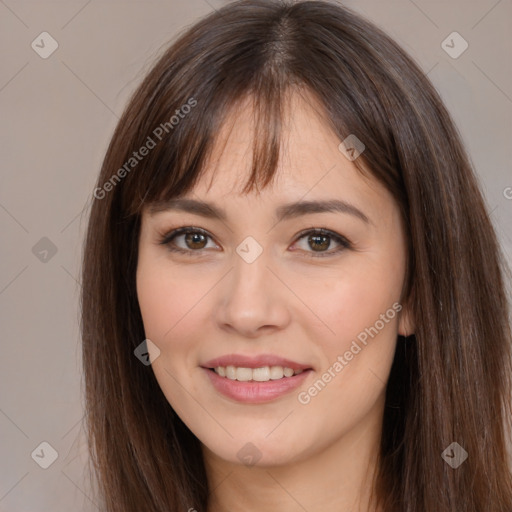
<point x="293" y="296"/>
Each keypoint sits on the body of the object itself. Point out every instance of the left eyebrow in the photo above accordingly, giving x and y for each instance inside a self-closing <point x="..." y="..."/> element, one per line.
<point x="283" y="212"/>
<point x="300" y="208"/>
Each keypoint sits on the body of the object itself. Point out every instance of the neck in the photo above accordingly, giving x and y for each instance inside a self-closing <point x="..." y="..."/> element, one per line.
<point x="336" y="478"/>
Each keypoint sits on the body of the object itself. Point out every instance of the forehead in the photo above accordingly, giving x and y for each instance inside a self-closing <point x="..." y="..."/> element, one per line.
<point x="311" y="166"/>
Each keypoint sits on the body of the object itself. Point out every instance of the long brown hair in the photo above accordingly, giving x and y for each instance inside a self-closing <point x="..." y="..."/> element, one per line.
<point x="450" y="382"/>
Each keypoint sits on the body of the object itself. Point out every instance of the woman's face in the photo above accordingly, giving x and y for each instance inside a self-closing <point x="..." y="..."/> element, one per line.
<point x="257" y="290"/>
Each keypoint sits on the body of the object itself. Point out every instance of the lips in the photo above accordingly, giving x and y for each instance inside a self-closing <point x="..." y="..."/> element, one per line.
<point x="242" y="388"/>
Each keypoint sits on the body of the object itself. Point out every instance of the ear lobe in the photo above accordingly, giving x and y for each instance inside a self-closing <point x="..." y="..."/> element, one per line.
<point x="406" y="324"/>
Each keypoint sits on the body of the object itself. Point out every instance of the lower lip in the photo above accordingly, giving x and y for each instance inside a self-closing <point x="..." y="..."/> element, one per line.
<point x="253" y="392"/>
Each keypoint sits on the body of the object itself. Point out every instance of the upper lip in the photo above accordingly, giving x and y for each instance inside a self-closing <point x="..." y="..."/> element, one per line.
<point x="242" y="361"/>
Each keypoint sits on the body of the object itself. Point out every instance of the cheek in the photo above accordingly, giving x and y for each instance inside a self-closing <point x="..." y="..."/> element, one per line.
<point x="362" y="310"/>
<point x="167" y="310"/>
<point x="163" y="301"/>
<point x="157" y="304"/>
<point x="353" y="300"/>
<point x="174" y="305"/>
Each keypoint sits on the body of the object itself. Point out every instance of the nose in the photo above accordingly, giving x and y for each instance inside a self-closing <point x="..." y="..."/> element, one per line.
<point x="252" y="301"/>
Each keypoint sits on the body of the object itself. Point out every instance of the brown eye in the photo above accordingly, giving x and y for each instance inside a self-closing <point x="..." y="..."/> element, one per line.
<point x="186" y="240"/>
<point x="195" y="240"/>
<point x="319" y="240"/>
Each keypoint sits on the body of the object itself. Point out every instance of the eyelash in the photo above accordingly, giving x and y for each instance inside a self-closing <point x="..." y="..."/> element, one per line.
<point x="169" y="237"/>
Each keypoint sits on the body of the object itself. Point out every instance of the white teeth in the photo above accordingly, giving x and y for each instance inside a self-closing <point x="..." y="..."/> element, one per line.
<point x="243" y="374"/>
<point x="288" y="372"/>
<point x="276" y="372"/>
<point x="231" y="372"/>
<point x="262" y="374"/>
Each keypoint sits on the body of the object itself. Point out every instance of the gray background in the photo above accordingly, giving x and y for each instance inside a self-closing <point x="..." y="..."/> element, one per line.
<point x="57" y="117"/>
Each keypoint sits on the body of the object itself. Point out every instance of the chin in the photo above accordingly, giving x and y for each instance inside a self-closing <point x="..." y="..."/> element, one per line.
<point x="260" y="450"/>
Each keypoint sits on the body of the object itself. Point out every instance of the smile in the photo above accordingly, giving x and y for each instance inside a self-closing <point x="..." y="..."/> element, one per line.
<point x="255" y="379"/>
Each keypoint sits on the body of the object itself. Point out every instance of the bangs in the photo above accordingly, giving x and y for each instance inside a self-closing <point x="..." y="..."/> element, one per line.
<point x="195" y="152"/>
<point x="184" y="152"/>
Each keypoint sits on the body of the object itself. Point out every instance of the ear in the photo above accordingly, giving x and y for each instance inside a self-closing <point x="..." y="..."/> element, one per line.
<point x="406" y="324"/>
<point x="406" y="320"/>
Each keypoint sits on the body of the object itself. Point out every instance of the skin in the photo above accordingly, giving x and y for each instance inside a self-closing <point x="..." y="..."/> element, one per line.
<point x="321" y="455"/>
